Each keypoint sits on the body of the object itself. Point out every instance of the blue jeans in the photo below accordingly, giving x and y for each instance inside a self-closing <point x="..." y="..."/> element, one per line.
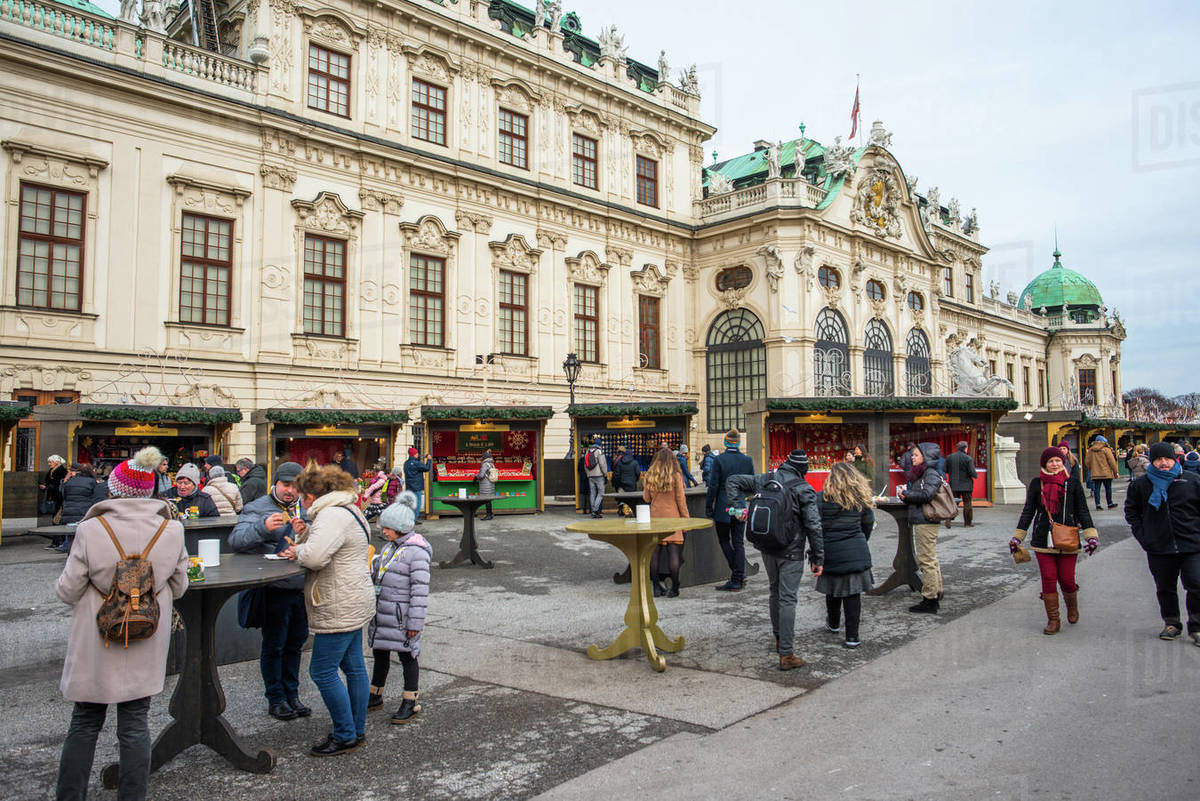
<point x="731" y="536"/>
<point x="420" y="498"/>
<point x="79" y="749"/>
<point x="595" y="493"/>
<point x="784" y="576"/>
<point x="347" y="703"/>
<point x="1106" y="483"/>
<point x="283" y="637"/>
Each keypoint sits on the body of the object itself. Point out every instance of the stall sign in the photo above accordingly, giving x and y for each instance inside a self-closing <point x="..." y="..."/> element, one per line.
<point x="145" y="430"/>
<point x="631" y="422"/>
<point x="483" y="427"/>
<point x="330" y="431"/>
<point x="475" y="441"/>
<point x="936" y="418"/>
<point x="817" y="418"/>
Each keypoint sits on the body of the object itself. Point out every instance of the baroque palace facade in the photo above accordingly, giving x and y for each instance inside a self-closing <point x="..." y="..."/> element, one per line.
<point x="282" y="204"/>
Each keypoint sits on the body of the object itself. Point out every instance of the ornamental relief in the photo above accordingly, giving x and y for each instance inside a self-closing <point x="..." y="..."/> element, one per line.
<point x="516" y="95"/>
<point x="429" y="64"/>
<point x="375" y="200"/>
<point x="877" y="204"/>
<point x="197" y="195"/>
<point x="58" y="166"/>
<point x="552" y="240"/>
<point x="330" y="28"/>
<point x="429" y="235"/>
<point x="622" y="256"/>
<point x="649" y="281"/>
<point x="514" y="253"/>
<point x="328" y="214"/>
<point x="587" y="268"/>
<point x="277" y="177"/>
<point x="474" y="221"/>
<point x="1087" y="361"/>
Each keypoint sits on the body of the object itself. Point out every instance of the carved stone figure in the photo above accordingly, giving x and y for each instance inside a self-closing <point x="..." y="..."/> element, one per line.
<point x="1027" y="304"/>
<point x="1012" y="298"/>
<point x="971" y="224"/>
<point x="554" y="15"/>
<point x="153" y="17"/>
<point x="994" y="289"/>
<point x="773" y="167"/>
<point x="688" y="82"/>
<point x="539" y="13"/>
<point x="839" y="158"/>
<point x="129" y="11"/>
<point x="612" y="44"/>
<point x="877" y="203"/>
<point x="718" y="184"/>
<point x="774" y="263"/>
<point x="912" y="185"/>
<point x="952" y="208"/>
<point x="664" y="68"/>
<point x="798" y="159"/>
<point x="880" y="136"/>
<point x="968" y="378"/>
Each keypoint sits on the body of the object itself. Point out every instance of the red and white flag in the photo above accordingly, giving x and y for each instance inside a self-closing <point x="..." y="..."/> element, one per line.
<point x="854" y="115"/>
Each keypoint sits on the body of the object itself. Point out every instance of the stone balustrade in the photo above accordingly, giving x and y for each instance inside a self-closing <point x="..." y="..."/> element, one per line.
<point x="63" y="21"/>
<point x="786" y="192"/>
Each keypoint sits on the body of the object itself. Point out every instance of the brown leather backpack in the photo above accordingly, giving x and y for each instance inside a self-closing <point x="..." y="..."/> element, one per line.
<point x="130" y="609"/>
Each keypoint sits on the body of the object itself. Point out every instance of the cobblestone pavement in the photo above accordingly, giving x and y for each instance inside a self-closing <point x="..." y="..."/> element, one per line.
<point x="512" y="706"/>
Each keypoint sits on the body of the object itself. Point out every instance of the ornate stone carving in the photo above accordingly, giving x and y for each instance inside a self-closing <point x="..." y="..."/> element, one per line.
<point x="773" y="261"/>
<point x="281" y="45"/>
<point x="376" y="200"/>
<point x="799" y="160"/>
<point x="774" y="170"/>
<point x="689" y="83"/>
<point x="331" y="29"/>
<point x="804" y="266"/>
<point x="647" y="143"/>
<point x="514" y="253"/>
<point x="839" y="158"/>
<point x="880" y="136"/>
<point x="587" y="268"/>
<point x="877" y="204"/>
<point x="475" y="221"/>
<point x="971" y="223"/>
<point x="1087" y="361"/>
<point x="154" y="16"/>
<point x="429" y="235"/>
<point x="649" y="281"/>
<point x="275" y="176"/>
<point x="612" y="44"/>
<point x="327" y="213"/>
<point x="206" y="197"/>
<point x="552" y="240"/>
<point x="430" y="64"/>
<point x="967" y="375"/>
<point x="622" y="256"/>
<point x="732" y="298"/>
<point x="516" y="95"/>
<point x="61" y="166"/>
<point x="664" y="67"/>
<point x="691" y="273"/>
<point x="953" y="210"/>
<point x="718" y="184"/>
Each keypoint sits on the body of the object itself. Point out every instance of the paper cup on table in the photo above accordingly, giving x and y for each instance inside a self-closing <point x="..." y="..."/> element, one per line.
<point x="643" y="513"/>
<point x="210" y="552"/>
<point x="462" y="492"/>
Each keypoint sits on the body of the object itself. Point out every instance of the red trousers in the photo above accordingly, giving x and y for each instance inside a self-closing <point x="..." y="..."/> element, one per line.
<point x="1057" y="568"/>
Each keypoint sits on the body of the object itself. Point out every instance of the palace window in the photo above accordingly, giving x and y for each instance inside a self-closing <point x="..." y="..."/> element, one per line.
<point x="324" y="286"/>
<point x="428" y="112"/>
<point x="513" y="310"/>
<point x="734" y="278"/>
<point x="205" y="264"/>
<point x="584" y="161"/>
<point x="50" y="248"/>
<point x="587" y="322"/>
<point x="829" y="278"/>
<point x="917" y="371"/>
<point x="1025" y="391"/>
<point x="916" y="302"/>
<point x="647" y="181"/>
<point x="514" y="139"/>
<point x="1087" y="387"/>
<point x="831" y="354"/>
<point x="736" y="365"/>
<point x="877" y="360"/>
<point x="969" y="287"/>
<point x="426" y="300"/>
<point x="948" y="281"/>
<point x="648" y="327"/>
<point x="1042" y="388"/>
<point x="1010" y="374"/>
<point x="874" y="290"/>
<point x="328" y="81"/>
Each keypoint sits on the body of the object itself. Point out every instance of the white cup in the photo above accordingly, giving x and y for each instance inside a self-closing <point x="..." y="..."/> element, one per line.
<point x="462" y="492"/>
<point x="210" y="552"/>
<point x="643" y="513"/>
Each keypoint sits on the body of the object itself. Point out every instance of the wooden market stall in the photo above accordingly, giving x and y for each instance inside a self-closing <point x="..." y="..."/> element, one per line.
<point x="828" y="428"/>
<point x="457" y="436"/>
<point x="10" y="414"/>
<point x="312" y="436"/>
<point x="1077" y="430"/>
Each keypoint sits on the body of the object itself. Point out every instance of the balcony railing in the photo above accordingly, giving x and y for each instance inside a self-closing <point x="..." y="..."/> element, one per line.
<point x="63" y="21"/>
<point x="788" y="192"/>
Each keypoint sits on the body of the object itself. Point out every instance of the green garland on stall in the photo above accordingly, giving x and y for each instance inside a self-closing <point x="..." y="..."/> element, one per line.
<point x="891" y="404"/>
<point x="486" y="412"/>
<point x="11" y="412"/>
<point x="632" y="409"/>
<point x="161" y="414"/>
<point x="331" y="417"/>
<point x="1137" y="425"/>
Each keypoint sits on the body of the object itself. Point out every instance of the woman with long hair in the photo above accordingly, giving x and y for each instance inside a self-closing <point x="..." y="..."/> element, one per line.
<point x="663" y="490"/>
<point x="847" y="518"/>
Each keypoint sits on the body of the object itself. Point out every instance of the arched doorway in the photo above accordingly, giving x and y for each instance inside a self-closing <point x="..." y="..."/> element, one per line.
<point x="917" y="372"/>
<point x="736" y="363"/>
<point x="877" y="360"/>
<point x="831" y="355"/>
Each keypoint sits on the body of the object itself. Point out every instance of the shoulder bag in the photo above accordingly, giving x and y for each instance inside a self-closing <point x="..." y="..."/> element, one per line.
<point x="1064" y="537"/>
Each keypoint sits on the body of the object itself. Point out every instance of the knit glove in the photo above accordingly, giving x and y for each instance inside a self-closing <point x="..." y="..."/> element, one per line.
<point x="1015" y="542"/>
<point x="1091" y="546"/>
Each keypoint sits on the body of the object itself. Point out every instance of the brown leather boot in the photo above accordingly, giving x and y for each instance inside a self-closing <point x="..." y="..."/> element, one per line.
<point x="789" y="661"/>
<point x="1072" y="599"/>
<point x="1053" y="622"/>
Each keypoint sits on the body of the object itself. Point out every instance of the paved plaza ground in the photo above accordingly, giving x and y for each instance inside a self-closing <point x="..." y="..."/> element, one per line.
<point x="972" y="704"/>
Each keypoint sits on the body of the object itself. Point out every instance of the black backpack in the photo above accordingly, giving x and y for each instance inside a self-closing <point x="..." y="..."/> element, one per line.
<point x="771" y="517"/>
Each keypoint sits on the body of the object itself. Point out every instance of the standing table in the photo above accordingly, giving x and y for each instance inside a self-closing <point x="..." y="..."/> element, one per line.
<point x="198" y="700"/>
<point x="637" y="541"/>
<point x="467" y="552"/>
<point x="904" y="565"/>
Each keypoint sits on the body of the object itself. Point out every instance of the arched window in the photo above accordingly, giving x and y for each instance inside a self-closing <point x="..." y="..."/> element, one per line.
<point x="734" y="278"/>
<point x="877" y="360"/>
<point x="831" y="355"/>
<point x="829" y="278"/>
<point x="737" y="368"/>
<point x="916" y="366"/>
<point x="875" y="290"/>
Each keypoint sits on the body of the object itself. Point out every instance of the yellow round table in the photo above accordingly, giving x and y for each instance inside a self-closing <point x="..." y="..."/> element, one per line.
<point x="637" y="541"/>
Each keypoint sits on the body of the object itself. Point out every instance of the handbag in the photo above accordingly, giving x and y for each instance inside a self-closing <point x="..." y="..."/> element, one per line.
<point x="1062" y="536"/>
<point x="944" y="505"/>
<point x="252" y="608"/>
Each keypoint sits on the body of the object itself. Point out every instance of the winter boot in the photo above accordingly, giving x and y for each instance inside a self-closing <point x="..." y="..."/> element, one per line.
<point x="674" y="591"/>
<point x="375" y="699"/>
<point x="1053" y="622"/>
<point x="1072" y="599"/>
<point x="928" y="606"/>
<point x="790" y="661"/>
<point x="658" y="587"/>
<point x="408" y="708"/>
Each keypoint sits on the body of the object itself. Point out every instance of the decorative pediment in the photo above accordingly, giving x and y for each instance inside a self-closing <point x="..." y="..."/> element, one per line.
<point x="649" y="281"/>
<point x="328" y="214"/>
<point x="514" y="253"/>
<point x="328" y="26"/>
<point x="587" y="268"/>
<point x="516" y="95"/>
<point x="1086" y="362"/>
<point x="586" y="120"/>
<point x="877" y="203"/>
<point x="431" y="64"/>
<point x="210" y="197"/>
<point x="648" y="143"/>
<point x="429" y="235"/>
<point x="40" y="159"/>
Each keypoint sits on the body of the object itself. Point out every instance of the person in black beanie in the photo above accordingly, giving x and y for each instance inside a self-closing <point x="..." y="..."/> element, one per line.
<point x="1163" y="510"/>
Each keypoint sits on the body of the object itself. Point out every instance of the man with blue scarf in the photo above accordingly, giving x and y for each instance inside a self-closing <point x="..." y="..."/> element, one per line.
<point x="1163" y="509"/>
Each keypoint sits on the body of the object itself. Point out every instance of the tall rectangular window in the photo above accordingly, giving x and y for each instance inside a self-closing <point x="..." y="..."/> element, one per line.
<point x="324" y="286"/>
<point x="948" y="281"/>
<point x="584" y="161"/>
<point x="50" y="248"/>
<point x="1087" y="387"/>
<point x="648" y="336"/>
<point x="587" y="322"/>
<point x="428" y="112"/>
<point x="1010" y="374"/>
<point x="1025" y="385"/>
<point x="1042" y="388"/>
<point x="969" y="287"/>
<point x="426" y="300"/>
<point x="513" y="308"/>
<point x="514" y="139"/>
<point x="1114" y="384"/>
<point x="328" y="81"/>
<point x="647" y="181"/>
<point x="205" y="264"/>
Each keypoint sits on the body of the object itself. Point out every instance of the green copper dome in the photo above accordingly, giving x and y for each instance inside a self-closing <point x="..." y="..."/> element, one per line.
<point x="1058" y="286"/>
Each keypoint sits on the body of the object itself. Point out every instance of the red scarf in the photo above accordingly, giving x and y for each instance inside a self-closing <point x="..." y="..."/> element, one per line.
<point x="1054" y="486"/>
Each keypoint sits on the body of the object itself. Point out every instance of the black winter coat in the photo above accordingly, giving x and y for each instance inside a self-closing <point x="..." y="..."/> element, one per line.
<point x="78" y="494"/>
<point x="1175" y="526"/>
<point x="960" y="471"/>
<point x="921" y="491"/>
<point x="730" y="463"/>
<point x="254" y="485"/>
<point x="1074" y="512"/>
<point x="625" y="472"/>
<point x="809" y="517"/>
<point x="845" y="533"/>
<point x="199" y="499"/>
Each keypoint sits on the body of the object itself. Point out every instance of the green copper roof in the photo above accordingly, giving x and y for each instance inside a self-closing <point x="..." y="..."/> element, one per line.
<point x="752" y="164"/>
<point x="86" y="7"/>
<point x="1058" y="286"/>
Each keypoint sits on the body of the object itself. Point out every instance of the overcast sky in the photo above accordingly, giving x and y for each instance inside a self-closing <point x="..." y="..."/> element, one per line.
<point x="1080" y="115"/>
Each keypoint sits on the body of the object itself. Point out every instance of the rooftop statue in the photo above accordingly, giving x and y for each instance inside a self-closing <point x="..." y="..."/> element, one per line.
<point x="880" y="136"/>
<point x="153" y="17"/>
<point x="798" y="159"/>
<point x="953" y="209"/>
<point x="688" y="82"/>
<point x="774" y="170"/>
<point x="718" y="184"/>
<point x="554" y="15"/>
<point x="839" y="158"/>
<point x="968" y="378"/>
<point x="971" y="224"/>
<point x="539" y="13"/>
<point x="664" y="68"/>
<point x="612" y="44"/>
<point x="129" y="11"/>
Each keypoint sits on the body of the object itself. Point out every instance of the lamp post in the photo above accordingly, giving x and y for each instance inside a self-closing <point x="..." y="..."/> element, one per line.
<point x="571" y="366"/>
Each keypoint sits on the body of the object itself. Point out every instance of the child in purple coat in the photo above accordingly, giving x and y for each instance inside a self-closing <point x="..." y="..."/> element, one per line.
<point x="401" y="576"/>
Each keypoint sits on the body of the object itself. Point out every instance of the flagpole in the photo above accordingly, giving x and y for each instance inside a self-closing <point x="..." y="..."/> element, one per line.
<point x="858" y="95"/>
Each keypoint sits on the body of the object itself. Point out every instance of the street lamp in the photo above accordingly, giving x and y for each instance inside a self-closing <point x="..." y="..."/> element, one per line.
<point x="571" y="366"/>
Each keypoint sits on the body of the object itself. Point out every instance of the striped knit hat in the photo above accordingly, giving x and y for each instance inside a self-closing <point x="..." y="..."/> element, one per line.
<point x="134" y="478"/>
<point x="733" y="439"/>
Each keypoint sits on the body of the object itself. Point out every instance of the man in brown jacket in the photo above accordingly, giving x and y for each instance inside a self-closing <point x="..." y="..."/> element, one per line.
<point x="1102" y="465"/>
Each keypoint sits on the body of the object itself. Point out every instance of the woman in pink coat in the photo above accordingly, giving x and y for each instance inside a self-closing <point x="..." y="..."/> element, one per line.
<point x="95" y="673"/>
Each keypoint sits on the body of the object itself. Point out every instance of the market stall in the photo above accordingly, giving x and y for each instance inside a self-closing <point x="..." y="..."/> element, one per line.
<point x="10" y="414"/>
<point x="829" y="428"/>
<point x="104" y="434"/>
<point x="642" y="428"/>
<point x="457" y="437"/>
<point x="312" y="436"/>
<point x="1036" y="430"/>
